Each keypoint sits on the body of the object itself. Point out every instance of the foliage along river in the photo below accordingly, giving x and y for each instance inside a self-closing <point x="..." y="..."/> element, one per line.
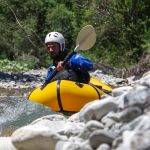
<point x="17" y="111"/>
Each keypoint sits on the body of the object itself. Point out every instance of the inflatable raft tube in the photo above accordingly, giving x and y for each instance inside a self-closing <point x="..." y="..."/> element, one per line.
<point x="64" y="95"/>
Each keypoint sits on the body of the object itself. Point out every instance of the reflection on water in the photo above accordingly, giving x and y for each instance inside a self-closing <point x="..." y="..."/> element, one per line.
<point x="18" y="111"/>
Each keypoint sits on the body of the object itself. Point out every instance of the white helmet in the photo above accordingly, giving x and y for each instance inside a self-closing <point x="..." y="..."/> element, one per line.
<point x="56" y="37"/>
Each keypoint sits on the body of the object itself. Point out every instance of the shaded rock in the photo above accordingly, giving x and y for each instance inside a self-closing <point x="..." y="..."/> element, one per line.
<point x="121" y="90"/>
<point x="59" y="124"/>
<point x="97" y="109"/>
<point x="147" y="74"/>
<point x="36" y="138"/>
<point x="129" y="114"/>
<point x="116" y="129"/>
<point x="120" y="102"/>
<point x="89" y="128"/>
<point x="109" y="120"/>
<point x="135" y="140"/>
<point x="72" y="128"/>
<point x="147" y="110"/>
<point x="142" y="123"/>
<point x="53" y="117"/>
<point x="137" y="97"/>
<point x="101" y="136"/>
<point x="109" y="79"/>
<point x="123" y="116"/>
<point x="131" y="79"/>
<point x="117" y="142"/>
<point x="74" y="118"/>
<point x="73" y="144"/>
<point x="145" y="80"/>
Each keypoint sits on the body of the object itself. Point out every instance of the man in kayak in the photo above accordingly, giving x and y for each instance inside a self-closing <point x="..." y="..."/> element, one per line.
<point x="76" y="68"/>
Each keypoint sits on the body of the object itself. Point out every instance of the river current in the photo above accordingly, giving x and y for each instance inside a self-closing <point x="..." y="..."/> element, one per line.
<point x="16" y="111"/>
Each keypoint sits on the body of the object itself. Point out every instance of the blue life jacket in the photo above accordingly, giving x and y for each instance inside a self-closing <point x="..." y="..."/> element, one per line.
<point x="77" y="63"/>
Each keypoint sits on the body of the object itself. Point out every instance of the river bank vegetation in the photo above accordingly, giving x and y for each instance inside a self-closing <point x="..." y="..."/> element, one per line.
<point x="122" y="27"/>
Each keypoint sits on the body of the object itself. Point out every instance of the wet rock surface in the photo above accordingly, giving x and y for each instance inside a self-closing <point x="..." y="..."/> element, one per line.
<point x="30" y="79"/>
<point x="120" y="121"/>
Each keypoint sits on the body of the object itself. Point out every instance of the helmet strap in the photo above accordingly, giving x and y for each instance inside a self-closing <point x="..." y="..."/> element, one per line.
<point x="62" y="47"/>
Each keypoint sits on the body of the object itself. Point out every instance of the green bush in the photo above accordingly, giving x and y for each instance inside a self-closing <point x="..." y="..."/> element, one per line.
<point x="15" y="66"/>
<point x="122" y="28"/>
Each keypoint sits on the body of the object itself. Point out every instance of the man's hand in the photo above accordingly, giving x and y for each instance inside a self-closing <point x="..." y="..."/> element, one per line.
<point x="60" y="66"/>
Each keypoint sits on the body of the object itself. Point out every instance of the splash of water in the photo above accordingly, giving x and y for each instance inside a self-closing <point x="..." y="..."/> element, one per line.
<point x="18" y="111"/>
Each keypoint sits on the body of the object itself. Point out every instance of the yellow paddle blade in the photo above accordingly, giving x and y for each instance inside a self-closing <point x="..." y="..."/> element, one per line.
<point x="86" y="38"/>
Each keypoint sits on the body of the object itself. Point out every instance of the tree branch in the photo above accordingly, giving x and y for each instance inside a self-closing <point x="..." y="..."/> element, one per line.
<point x="21" y="26"/>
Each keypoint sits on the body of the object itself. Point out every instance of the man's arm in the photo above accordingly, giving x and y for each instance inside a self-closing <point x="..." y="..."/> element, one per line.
<point x="77" y="61"/>
<point x="49" y="73"/>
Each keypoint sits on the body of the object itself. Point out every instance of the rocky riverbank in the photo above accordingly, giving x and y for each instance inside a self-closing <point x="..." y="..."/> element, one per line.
<point x="33" y="78"/>
<point x="20" y="84"/>
<point x="120" y="121"/>
<point x="30" y="79"/>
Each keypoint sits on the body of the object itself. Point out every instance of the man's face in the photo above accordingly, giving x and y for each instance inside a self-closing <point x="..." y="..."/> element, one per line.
<point x="53" y="49"/>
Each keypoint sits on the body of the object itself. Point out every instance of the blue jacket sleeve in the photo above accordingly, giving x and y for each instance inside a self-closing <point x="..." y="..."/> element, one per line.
<point x="49" y="73"/>
<point x="78" y="62"/>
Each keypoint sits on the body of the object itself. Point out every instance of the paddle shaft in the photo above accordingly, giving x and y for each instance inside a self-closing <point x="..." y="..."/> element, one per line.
<point x="56" y="71"/>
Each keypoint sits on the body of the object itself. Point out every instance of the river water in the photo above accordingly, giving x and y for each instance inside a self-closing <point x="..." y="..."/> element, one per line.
<point x="16" y="111"/>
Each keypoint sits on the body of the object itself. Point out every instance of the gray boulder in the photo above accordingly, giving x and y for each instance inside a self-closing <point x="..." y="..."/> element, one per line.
<point x="97" y="109"/>
<point x="33" y="137"/>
